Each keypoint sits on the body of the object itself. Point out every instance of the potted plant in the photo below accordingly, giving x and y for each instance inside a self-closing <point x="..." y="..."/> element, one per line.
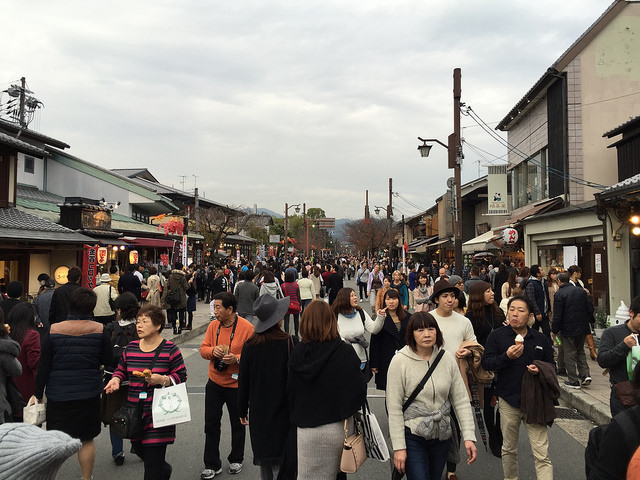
<point x="602" y="321"/>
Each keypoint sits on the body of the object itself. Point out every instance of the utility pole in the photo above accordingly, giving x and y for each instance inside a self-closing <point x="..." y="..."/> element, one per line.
<point x="286" y="229"/>
<point x="196" y="206"/>
<point x="366" y="205"/>
<point x="184" y="179"/>
<point x="306" y="228"/>
<point x="22" y="90"/>
<point x="390" y="219"/>
<point x="457" y="229"/>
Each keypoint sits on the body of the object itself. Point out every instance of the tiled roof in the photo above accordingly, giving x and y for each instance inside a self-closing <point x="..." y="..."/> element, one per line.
<point x="621" y="128"/>
<point x="17" y="219"/>
<point x="15" y="128"/>
<point x="630" y="183"/>
<point x="33" y="193"/>
<point x="21" y="146"/>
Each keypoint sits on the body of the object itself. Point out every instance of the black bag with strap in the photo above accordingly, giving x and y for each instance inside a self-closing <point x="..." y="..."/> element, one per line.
<point x="127" y="422"/>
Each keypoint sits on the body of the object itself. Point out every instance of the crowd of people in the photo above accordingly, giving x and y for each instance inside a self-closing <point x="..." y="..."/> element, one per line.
<point x="291" y="350"/>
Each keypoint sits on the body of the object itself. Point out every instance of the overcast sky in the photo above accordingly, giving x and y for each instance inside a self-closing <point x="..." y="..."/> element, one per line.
<point x="275" y="101"/>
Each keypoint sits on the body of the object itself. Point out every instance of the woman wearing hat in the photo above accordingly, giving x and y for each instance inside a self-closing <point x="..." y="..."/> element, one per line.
<point x="262" y="385"/>
<point x="106" y="294"/>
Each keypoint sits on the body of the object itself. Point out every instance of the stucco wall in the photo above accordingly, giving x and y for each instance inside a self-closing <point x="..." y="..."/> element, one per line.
<point x="610" y="92"/>
<point x="34" y="179"/>
<point x="530" y="134"/>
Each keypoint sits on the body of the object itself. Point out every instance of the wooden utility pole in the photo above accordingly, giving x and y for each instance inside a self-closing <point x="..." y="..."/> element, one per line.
<point x="457" y="228"/>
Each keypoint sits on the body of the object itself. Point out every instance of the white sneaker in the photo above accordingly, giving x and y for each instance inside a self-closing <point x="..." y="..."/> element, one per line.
<point x="235" y="468"/>
<point x="208" y="474"/>
<point x="586" y="381"/>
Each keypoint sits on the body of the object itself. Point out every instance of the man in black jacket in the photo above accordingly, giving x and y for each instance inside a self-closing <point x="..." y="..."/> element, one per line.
<point x="334" y="283"/>
<point x="129" y="282"/>
<point x="59" y="308"/>
<point x="572" y="313"/>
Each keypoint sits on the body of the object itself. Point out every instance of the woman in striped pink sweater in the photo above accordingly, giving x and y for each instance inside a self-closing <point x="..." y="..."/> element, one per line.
<point x="169" y="364"/>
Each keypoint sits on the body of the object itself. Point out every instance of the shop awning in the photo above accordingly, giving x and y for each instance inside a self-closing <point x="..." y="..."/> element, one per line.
<point x="149" y="242"/>
<point x="416" y="244"/>
<point x="439" y="242"/>
<point x="528" y="211"/>
<point x="479" y="243"/>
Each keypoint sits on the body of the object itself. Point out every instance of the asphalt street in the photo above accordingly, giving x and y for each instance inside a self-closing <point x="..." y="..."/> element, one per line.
<point x="567" y="439"/>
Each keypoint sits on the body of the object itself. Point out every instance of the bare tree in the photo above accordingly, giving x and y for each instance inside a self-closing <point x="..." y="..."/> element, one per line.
<point x="216" y="223"/>
<point x="369" y="235"/>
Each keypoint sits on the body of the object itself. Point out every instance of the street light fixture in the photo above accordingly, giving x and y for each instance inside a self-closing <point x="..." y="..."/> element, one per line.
<point x="389" y="217"/>
<point x="454" y="147"/>
<point x="286" y="224"/>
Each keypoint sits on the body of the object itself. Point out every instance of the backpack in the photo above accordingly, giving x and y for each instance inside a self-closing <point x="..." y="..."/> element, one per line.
<point x="173" y="298"/>
<point x="120" y="338"/>
<point x="592" y="451"/>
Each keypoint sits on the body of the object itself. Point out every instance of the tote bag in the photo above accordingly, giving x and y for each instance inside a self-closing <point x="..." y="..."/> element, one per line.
<point x="170" y="405"/>
<point x="374" y="440"/>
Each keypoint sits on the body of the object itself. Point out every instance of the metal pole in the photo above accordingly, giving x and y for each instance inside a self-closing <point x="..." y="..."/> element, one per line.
<point x="286" y="228"/>
<point x="404" y="258"/>
<point x="457" y="93"/>
<point x="306" y="228"/>
<point x="390" y="218"/>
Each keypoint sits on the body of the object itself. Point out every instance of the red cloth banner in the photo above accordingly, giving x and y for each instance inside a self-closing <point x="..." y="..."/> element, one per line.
<point x="89" y="266"/>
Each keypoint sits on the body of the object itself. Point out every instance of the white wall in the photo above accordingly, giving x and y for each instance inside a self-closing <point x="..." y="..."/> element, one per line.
<point x="36" y="178"/>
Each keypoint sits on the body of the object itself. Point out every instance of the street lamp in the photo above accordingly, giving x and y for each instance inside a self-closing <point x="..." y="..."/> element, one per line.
<point x="390" y="219"/>
<point x="454" y="147"/>
<point x="286" y="225"/>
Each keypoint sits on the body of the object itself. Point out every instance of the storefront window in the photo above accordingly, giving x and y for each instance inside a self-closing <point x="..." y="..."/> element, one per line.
<point x="551" y="257"/>
<point x="530" y="180"/>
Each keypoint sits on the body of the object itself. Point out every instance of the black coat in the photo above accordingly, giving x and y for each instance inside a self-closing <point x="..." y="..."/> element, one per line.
<point x="129" y="283"/>
<point x="334" y="283"/>
<point x="59" y="308"/>
<point x="325" y="383"/>
<point x="572" y="311"/>
<point x="262" y="393"/>
<point x="384" y="346"/>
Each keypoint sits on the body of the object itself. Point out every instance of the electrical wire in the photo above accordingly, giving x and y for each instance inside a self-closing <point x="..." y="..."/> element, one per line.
<point x="512" y="148"/>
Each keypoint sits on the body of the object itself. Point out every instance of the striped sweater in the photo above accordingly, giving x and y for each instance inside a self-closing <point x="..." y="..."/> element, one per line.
<point x="170" y="363"/>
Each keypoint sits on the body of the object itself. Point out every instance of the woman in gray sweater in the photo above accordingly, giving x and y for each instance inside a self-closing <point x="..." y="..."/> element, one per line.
<point x="419" y="434"/>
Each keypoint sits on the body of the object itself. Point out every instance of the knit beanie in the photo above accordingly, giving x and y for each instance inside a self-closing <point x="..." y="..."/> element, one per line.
<point x="27" y="451"/>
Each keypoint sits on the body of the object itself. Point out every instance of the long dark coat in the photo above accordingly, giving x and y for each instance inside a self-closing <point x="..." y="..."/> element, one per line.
<point x="384" y="346"/>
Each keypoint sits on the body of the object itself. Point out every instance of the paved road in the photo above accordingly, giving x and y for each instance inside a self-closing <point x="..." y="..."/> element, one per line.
<point x="567" y="437"/>
<point x="186" y="454"/>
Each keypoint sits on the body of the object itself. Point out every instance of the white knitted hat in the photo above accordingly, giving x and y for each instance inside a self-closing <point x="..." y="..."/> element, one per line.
<point x="27" y="451"/>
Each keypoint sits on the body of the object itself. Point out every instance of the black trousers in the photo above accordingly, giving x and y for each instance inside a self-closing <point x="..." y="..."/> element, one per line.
<point x="215" y="397"/>
<point x="173" y="315"/>
<point x="362" y="287"/>
<point x="155" y="466"/>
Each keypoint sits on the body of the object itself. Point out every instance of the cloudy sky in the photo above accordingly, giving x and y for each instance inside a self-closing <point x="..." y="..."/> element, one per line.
<point x="267" y="102"/>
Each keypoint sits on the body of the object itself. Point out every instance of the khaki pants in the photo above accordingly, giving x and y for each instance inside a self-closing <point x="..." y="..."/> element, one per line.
<point x="510" y="419"/>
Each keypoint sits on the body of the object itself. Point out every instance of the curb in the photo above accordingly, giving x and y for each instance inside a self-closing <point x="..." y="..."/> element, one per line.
<point x="593" y="409"/>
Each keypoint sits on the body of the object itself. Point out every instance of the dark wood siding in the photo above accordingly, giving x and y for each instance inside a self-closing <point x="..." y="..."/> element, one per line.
<point x="629" y="158"/>
<point x="557" y="136"/>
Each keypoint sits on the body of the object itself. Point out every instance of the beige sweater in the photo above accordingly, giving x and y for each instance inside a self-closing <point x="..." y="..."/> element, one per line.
<point x="405" y="372"/>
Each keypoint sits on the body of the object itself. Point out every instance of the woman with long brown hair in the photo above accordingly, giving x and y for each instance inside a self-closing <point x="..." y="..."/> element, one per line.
<point x="391" y="338"/>
<point x="353" y="321"/>
<point x="262" y="385"/>
<point x="508" y="286"/>
<point x="485" y="315"/>
<point x="325" y="389"/>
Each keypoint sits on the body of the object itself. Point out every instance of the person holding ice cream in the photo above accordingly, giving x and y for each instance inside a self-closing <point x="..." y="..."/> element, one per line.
<point x="518" y="353"/>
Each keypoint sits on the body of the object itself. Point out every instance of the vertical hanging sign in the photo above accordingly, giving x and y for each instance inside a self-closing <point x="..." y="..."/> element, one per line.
<point x="89" y="264"/>
<point x="497" y="190"/>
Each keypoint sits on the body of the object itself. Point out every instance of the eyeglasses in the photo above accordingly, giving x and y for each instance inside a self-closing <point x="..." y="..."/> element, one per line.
<point x="146" y="321"/>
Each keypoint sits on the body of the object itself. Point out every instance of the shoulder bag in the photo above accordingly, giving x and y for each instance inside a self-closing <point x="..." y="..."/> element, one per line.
<point x="127" y="422"/>
<point x="354" y="452"/>
<point x="395" y="474"/>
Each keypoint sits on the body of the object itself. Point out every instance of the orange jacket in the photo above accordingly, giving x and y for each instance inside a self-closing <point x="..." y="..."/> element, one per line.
<point x="244" y="330"/>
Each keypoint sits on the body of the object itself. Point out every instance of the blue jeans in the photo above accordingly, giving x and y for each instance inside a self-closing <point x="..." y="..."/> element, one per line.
<point x="425" y="458"/>
<point x="117" y="444"/>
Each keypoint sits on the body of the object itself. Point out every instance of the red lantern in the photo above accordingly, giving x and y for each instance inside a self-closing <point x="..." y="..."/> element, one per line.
<point x="133" y="257"/>
<point x="510" y="236"/>
<point x="102" y="255"/>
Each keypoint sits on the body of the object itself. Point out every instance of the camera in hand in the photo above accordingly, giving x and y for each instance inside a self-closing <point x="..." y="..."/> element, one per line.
<point x="220" y="365"/>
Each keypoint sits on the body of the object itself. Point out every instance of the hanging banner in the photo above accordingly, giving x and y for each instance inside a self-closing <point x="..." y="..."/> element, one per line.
<point x="569" y="256"/>
<point x="164" y="259"/>
<point x="89" y="266"/>
<point x="497" y="190"/>
<point x="198" y="253"/>
<point x="177" y="252"/>
<point x="102" y="255"/>
<point x="184" y="250"/>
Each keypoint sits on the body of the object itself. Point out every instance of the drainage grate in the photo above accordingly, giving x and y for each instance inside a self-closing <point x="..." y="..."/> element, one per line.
<point x="569" y="413"/>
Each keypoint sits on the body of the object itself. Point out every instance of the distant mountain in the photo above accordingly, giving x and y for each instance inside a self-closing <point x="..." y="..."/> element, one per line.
<point x="266" y="211"/>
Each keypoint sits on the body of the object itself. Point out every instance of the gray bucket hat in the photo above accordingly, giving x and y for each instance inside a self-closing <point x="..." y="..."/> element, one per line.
<point x="269" y="311"/>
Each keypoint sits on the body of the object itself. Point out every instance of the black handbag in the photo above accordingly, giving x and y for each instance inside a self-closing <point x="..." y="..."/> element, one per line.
<point x="14" y="397"/>
<point x="127" y="422"/>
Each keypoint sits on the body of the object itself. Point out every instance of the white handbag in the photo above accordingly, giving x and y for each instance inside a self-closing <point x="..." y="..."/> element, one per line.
<point x="34" y="413"/>
<point x="170" y="405"/>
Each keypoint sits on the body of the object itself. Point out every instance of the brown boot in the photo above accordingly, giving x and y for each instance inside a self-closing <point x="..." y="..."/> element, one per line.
<point x="593" y="353"/>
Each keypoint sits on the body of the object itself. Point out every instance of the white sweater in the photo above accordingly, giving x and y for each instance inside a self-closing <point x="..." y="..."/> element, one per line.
<point x="353" y="327"/>
<point x="405" y="372"/>
<point x="455" y="330"/>
<point x="307" y="290"/>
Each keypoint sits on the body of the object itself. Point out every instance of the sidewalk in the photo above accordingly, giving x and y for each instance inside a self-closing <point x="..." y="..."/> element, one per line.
<point x="591" y="401"/>
<point x="201" y="319"/>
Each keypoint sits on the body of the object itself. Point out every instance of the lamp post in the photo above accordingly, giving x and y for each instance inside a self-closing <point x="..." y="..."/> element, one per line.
<point x="390" y="227"/>
<point x="454" y="147"/>
<point x="286" y="226"/>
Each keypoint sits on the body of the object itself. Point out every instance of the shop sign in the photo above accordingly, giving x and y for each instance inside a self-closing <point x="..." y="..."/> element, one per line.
<point x="102" y="255"/>
<point x="510" y="236"/>
<point x="89" y="266"/>
<point x="164" y="259"/>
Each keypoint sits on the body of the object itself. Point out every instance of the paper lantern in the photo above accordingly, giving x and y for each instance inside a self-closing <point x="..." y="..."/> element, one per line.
<point x="133" y="257"/>
<point x="510" y="236"/>
<point x="60" y="275"/>
<point x="102" y="255"/>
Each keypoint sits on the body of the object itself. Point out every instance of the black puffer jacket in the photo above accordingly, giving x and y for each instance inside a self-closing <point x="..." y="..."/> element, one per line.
<point x="572" y="311"/>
